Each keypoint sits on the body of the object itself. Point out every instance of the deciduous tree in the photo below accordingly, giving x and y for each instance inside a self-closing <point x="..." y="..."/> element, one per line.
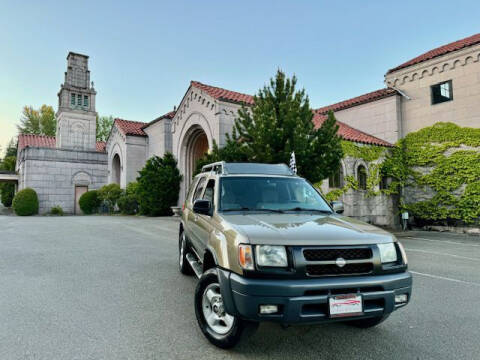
<point x="104" y="125"/>
<point x="40" y="122"/>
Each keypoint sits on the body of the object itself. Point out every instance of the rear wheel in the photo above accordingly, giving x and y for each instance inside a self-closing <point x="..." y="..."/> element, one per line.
<point x="183" y="263"/>
<point x="220" y="328"/>
<point x="369" y="322"/>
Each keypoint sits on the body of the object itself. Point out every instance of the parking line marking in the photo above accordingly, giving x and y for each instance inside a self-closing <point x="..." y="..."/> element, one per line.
<point x="442" y="254"/>
<point x="445" y="278"/>
<point x="438" y="241"/>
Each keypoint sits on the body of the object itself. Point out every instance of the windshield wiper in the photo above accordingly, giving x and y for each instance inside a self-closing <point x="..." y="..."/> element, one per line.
<point x="253" y="209"/>
<point x="237" y="209"/>
<point x="308" y="209"/>
<point x="271" y="210"/>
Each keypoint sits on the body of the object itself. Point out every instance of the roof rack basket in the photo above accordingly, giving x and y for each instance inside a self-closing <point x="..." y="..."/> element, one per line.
<point x="217" y="168"/>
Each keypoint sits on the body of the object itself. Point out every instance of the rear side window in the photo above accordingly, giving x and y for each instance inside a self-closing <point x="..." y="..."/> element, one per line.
<point x="199" y="189"/>
<point x="191" y="189"/>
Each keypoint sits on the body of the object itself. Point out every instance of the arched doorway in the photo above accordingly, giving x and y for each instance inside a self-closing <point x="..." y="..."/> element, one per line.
<point x="196" y="145"/>
<point x="116" y="169"/>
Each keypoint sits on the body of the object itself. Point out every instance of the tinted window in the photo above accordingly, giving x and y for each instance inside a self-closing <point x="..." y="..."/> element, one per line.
<point x="191" y="189"/>
<point x="269" y="193"/>
<point x="442" y="92"/>
<point x="335" y="180"/>
<point x="209" y="191"/>
<point x="199" y="189"/>
<point x="362" y="177"/>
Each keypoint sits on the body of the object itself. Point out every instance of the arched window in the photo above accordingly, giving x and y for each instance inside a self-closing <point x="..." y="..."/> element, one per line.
<point x="384" y="183"/>
<point x="116" y="169"/>
<point x="362" y="177"/>
<point x="335" y="181"/>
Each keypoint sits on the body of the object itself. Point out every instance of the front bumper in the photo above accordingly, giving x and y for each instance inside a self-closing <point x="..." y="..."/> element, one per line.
<point x="306" y="300"/>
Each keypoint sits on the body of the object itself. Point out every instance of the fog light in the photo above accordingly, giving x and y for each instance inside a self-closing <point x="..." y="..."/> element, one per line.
<point x="268" y="309"/>
<point x="400" y="299"/>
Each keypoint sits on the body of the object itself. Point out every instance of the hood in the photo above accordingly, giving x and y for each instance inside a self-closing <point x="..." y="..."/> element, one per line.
<point x="306" y="229"/>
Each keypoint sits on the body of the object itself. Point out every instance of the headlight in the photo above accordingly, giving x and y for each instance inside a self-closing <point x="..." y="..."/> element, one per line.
<point x="388" y="253"/>
<point x="271" y="255"/>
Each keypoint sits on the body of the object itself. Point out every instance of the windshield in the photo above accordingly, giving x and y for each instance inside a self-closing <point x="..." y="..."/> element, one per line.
<point x="269" y="194"/>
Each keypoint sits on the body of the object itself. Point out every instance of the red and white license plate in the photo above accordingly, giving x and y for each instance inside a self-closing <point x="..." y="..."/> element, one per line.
<point x="345" y="305"/>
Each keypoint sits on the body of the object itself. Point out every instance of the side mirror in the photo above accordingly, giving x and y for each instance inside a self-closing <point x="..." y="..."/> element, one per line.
<point x="337" y="206"/>
<point x="201" y="206"/>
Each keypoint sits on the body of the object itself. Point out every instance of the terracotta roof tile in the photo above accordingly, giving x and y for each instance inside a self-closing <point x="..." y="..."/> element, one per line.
<point x="32" y="140"/>
<point x="344" y="130"/>
<point x="101" y="146"/>
<point x="44" y="141"/>
<point x="128" y="127"/>
<point x="442" y="50"/>
<point x="362" y="99"/>
<point x="349" y="133"/>
<point x="223" y="94"/>
<point x="168" y="115"/>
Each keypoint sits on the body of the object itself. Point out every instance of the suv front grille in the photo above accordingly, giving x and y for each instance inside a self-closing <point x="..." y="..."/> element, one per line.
<point x="336" y="261"/>
<point x="333" y="254"/>
<point x="333" y="269"/>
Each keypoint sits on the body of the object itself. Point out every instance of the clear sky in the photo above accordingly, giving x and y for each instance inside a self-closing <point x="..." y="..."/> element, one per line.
<point x="143" y="54"/>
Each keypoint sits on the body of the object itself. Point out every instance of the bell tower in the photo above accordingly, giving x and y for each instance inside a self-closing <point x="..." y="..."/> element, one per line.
<point x="76" y="115"/>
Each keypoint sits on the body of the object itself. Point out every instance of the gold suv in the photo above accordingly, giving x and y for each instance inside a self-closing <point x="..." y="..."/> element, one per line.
<point x="267" y="246"/>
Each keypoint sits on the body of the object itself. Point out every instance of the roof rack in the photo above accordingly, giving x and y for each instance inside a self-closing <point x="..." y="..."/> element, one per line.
<point x="224" y="168"/>
<point x="216" y="167"/>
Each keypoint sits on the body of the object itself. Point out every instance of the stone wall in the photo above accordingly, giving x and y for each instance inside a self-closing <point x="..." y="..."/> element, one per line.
<point x="381" y="118"/>
<point x="159" y="138"/>
<point x="54" y="173"/>
<point x="462" y="67"/>
<point x="136" y="156"/>
<point x="379" y="209"/>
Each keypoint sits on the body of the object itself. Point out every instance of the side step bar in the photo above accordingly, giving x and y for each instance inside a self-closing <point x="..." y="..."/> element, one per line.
<point x="195" y="264"/>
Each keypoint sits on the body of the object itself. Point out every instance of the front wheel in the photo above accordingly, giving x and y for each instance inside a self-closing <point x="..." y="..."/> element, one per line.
<point x="221" y="329"/>
<point x="183" y="264"/>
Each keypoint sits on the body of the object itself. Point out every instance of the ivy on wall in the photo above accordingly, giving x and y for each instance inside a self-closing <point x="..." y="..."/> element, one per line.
<point x="446" y="159"/>
<point x="443" y="160"/>
<point x="370" y="154"/>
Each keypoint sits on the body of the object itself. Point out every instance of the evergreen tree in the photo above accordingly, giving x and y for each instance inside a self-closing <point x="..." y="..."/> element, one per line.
<point x="158" y="185"/>
<point x="232" y="151"/>
<point x="281" y="121"/>
<point x="11" y="149"/>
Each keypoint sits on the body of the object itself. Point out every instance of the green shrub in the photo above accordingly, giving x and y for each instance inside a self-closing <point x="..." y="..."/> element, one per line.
<point x="128" y="201"/>
<point x="132" y="188"/>
<point x="25" y="203"/>
<point x="159" y="186"/>
<point x="56" y="210"/>
<point x="7" y="192"/>
<point x="109" y="195"/>
<point x="89" y="202"/>
<point x="128" y="204"/>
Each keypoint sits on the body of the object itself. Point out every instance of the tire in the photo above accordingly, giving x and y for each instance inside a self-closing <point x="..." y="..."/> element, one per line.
<point x="369" y="322"/>
<point x="183" y="264"/>
<point x="227" y="329"/>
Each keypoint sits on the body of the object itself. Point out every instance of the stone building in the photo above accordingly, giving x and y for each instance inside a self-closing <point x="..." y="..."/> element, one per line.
<point x="60" y="169"/>
<point x="440" y="85"/>
<point x="418" y="93"/>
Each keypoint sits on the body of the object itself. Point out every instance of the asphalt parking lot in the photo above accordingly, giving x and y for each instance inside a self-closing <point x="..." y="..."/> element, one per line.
<point x="104" y="287"/>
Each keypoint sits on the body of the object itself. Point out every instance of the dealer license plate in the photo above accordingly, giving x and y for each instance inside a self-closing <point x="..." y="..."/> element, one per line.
<point x="345" y="305"/>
